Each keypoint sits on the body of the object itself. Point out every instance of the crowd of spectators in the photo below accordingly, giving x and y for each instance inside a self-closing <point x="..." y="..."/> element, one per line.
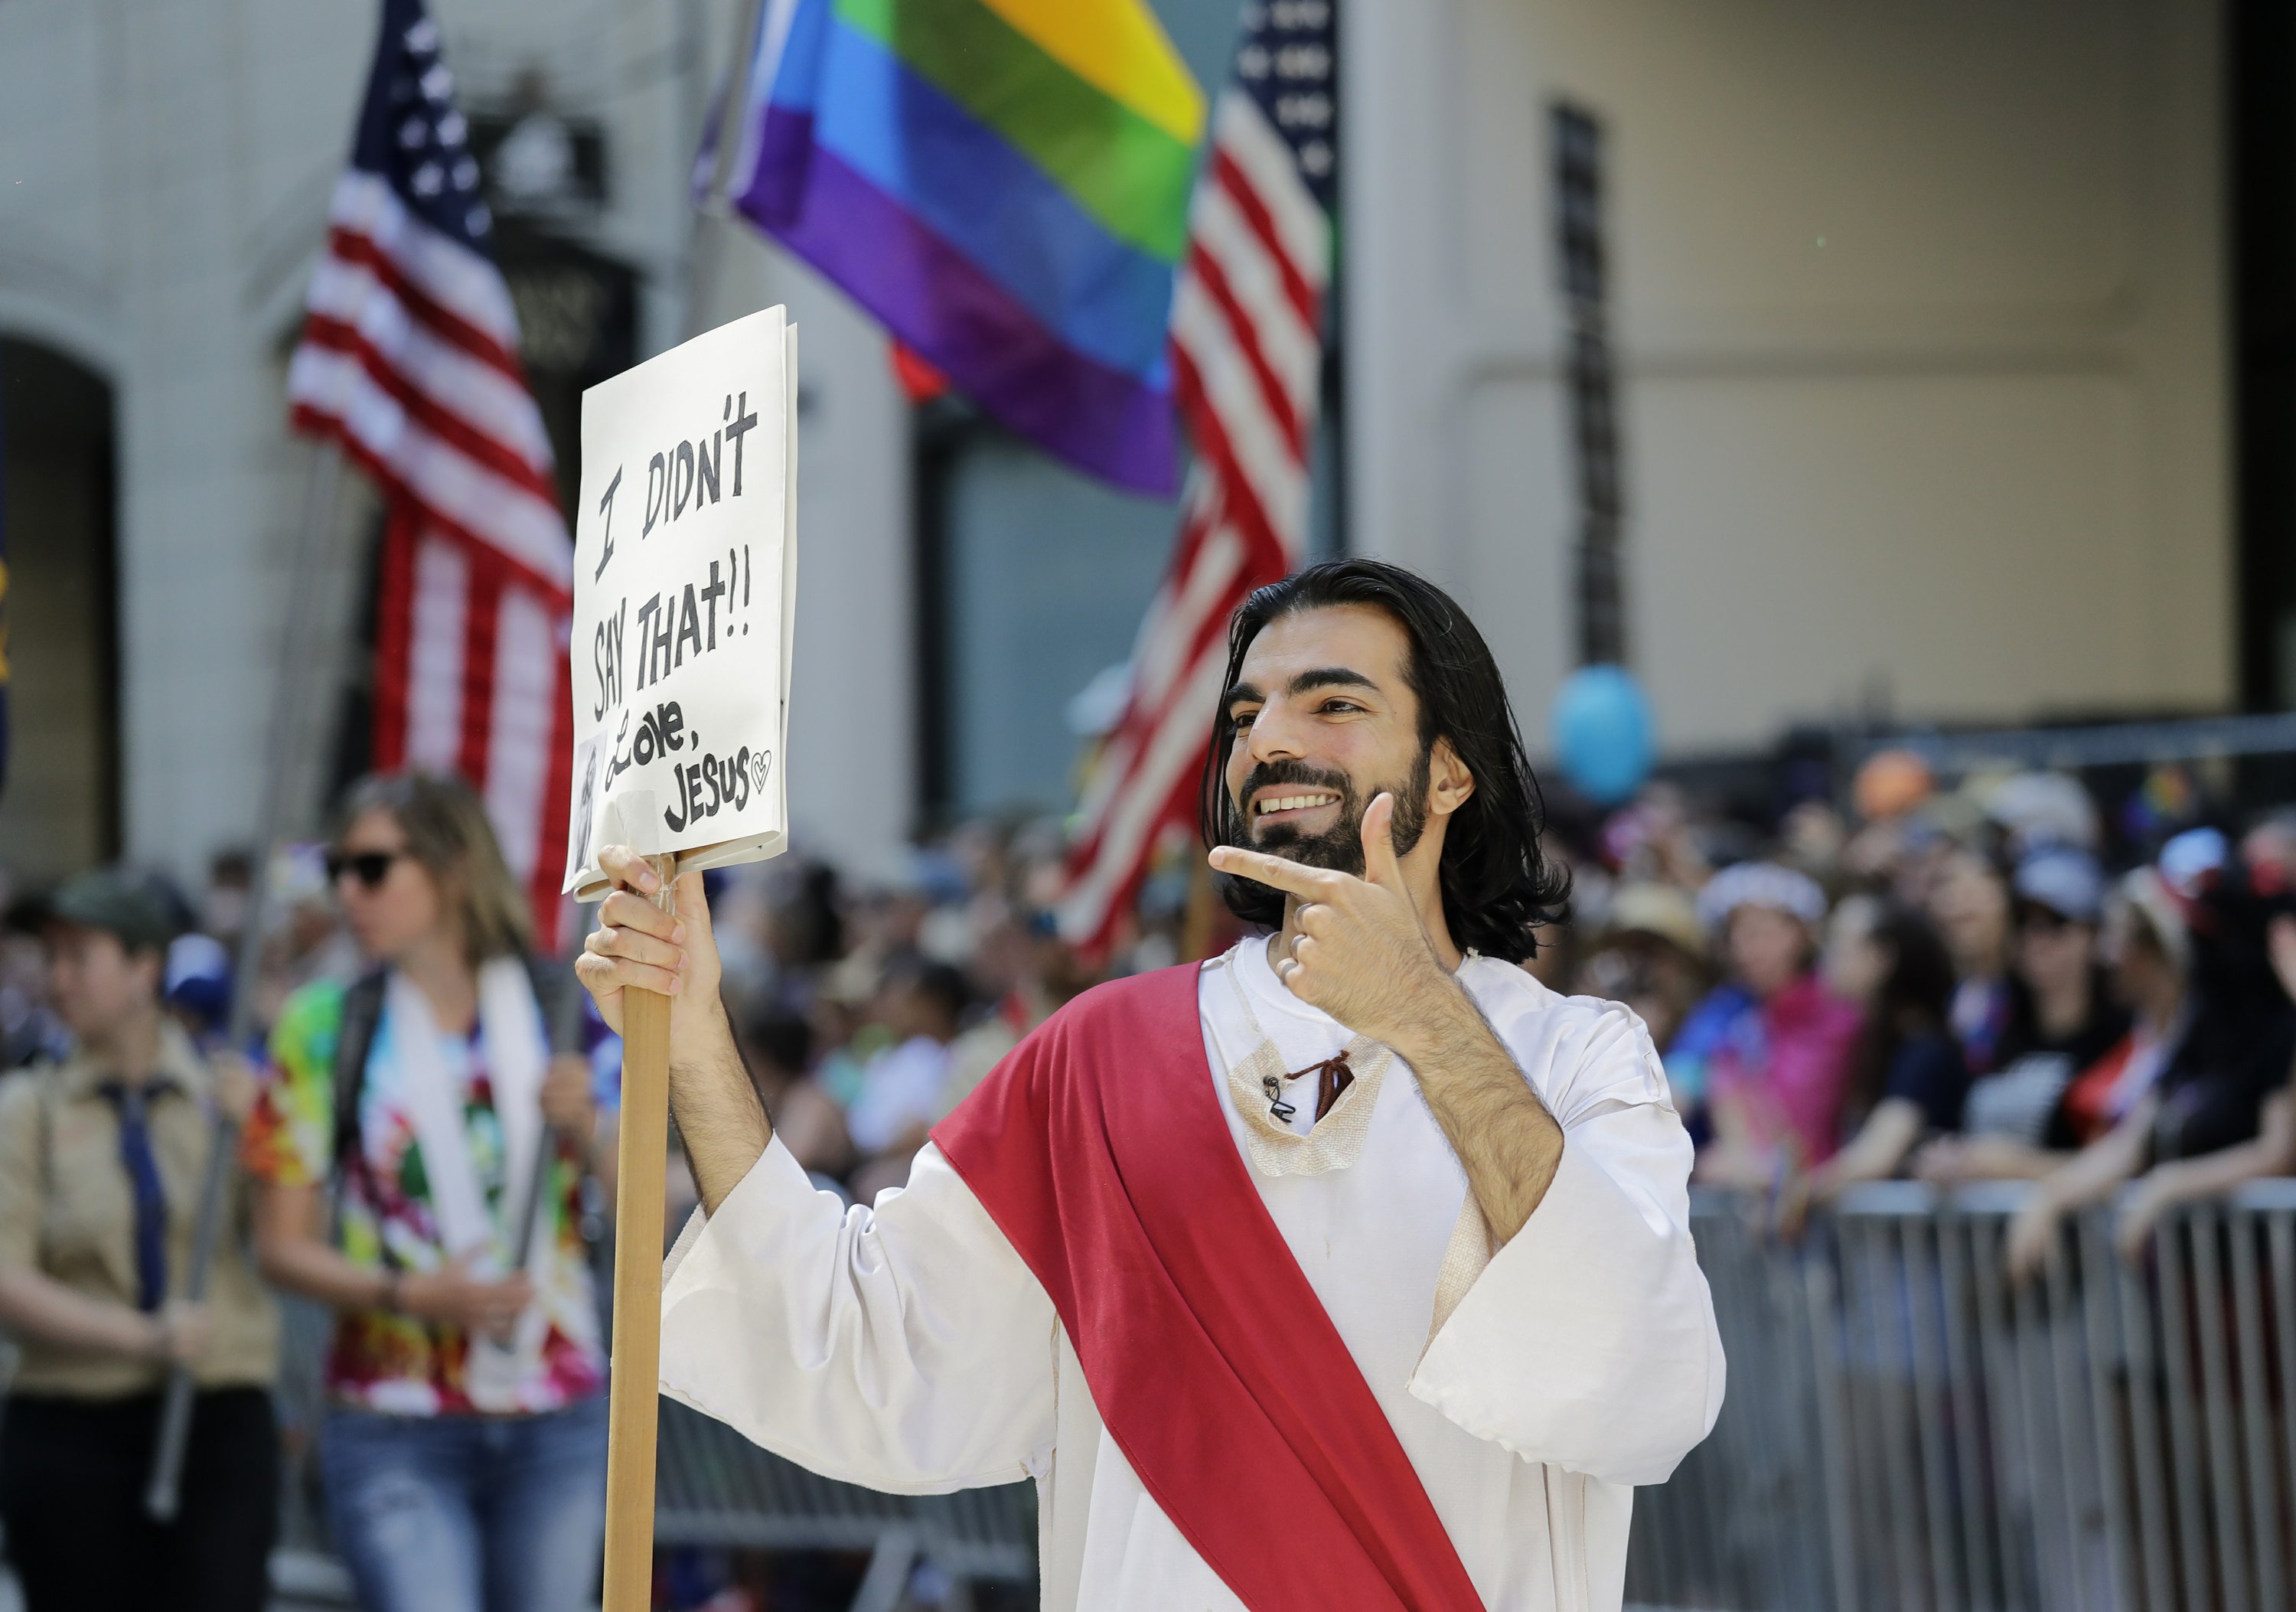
<point x="1978" y="983"/>
<point x="1955" y="986"/>
<point x="1945" y="985"/>
<point x="1948" y="984"/>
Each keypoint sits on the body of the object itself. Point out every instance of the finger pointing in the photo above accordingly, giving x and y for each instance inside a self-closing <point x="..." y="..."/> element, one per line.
<point x="1291" y="877"/>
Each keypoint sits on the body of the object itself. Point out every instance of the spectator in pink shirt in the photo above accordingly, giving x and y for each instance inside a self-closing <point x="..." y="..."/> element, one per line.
<point x="1771" y="1046"/>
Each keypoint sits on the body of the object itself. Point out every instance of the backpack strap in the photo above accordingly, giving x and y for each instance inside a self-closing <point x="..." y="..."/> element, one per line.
<point x="354" y="1040"/>
<point x="554" y="989"/>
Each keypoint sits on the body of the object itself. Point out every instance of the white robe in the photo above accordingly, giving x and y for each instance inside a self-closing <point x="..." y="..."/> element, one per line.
<point x="907" y="1347"/>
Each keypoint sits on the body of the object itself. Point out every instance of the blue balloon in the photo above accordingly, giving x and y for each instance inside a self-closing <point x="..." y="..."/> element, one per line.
<point x="1603" y="733"/>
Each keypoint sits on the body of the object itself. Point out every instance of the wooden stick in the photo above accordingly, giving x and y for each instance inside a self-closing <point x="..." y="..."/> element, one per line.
<point x="634" y="1410"/>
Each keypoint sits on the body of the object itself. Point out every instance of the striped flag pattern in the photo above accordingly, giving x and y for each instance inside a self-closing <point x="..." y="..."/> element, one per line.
<point x="1247" y="353"/>
<point x="409" y="360"/>
<point x="1003" y="183"/>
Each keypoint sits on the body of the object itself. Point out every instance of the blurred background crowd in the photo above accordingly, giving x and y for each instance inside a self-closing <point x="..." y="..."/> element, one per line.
<point x="2085" y="981"/>
<point x="1912" y="380"/>
<point x="1949" y="980"/>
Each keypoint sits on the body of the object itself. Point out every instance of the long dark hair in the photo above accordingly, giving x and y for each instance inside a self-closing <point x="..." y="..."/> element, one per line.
<point x="1497" y="885"/>
<point x="1914" y="998"/>
<point x="446" y="831"/>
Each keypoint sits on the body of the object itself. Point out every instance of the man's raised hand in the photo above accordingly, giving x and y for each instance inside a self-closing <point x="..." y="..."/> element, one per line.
<point x="637" y="943"/>
<point x="719" y="1117"/>
<point x="1359" y="950"/>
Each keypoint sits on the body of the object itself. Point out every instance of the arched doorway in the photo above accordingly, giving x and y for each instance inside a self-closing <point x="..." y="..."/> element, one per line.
<point x="59" y="807"/>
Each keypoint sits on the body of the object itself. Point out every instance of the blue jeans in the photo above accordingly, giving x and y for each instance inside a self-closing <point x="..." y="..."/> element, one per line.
<point x="469" y="1513"/>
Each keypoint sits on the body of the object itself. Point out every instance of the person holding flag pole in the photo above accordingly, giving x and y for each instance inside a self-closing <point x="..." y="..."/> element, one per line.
<point x="101" y="1160"/>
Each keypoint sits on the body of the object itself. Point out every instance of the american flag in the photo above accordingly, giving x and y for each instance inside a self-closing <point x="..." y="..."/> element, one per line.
<point x="1247" y="354"/>
<point x="410" y="360"/>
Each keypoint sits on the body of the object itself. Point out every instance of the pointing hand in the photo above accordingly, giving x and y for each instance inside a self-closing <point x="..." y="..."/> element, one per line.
<point x="1360" y="953"/>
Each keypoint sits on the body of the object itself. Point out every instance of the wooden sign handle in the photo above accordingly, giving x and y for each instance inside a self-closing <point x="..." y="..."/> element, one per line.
<point x="634" y="1410"/>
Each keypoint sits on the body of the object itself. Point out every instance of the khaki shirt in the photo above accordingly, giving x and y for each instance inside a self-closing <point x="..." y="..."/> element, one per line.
<point x="68" y="1210"/>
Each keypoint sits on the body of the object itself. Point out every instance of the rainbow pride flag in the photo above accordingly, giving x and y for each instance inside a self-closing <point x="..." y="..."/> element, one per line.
<point x="1005" y="185"/>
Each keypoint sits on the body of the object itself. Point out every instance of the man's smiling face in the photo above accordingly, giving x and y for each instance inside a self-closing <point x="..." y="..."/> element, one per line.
<point x="1324" y="720"/>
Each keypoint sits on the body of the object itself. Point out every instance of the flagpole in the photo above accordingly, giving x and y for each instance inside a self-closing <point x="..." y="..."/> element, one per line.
<point x="301" y="637"/>
<point x="704" y="251"/>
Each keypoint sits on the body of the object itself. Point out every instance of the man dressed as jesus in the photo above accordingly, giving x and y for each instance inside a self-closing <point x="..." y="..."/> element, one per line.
<point x="1349" y="1270"/>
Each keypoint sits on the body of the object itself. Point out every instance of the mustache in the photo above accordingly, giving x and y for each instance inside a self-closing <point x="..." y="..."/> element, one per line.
<point x="1237" y="828"/>
<point x="1265" y="773"/>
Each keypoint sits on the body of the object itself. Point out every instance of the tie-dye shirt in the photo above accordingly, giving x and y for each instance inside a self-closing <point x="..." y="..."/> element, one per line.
<point x="397" y="1363"/>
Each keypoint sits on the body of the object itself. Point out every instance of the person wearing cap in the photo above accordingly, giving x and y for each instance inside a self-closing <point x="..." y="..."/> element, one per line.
<point x="2269" y="847"/>
<point x="197" y="986"/>
<point x="1771" y="1045"/>
<point x="1650" y="953"/>
<point x="2062" y="1017"/>
<point x="2208" y="1105"/>
<point x="2035" y="811"/>
<point x="102" y="1158"/>
<point x="2146" y="956"/>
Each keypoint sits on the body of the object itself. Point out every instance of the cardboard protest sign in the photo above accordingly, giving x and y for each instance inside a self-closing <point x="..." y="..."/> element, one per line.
<point x="684" y="592"/>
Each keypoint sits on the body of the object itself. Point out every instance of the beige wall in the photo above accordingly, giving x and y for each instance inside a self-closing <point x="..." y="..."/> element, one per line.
<point x="1974" y="444"/>
<point x="176" y="163"/>
<point x="1919" y="311"/>
<point x="165" y="167"/>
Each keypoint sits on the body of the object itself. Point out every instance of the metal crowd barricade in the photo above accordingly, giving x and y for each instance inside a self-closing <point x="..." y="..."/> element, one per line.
<point x="714" y="1488"/>
<point x="1906" y="1430"/>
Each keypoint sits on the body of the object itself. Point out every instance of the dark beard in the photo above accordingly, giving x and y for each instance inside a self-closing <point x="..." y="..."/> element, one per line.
<point x="1339" y="847"/>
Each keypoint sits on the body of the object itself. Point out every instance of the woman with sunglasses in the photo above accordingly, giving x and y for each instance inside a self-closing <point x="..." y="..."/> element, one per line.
<point x="463" y="1446"/>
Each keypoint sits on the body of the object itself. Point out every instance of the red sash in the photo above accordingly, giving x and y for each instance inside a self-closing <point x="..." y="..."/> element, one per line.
<point x="1101" y="1150"/>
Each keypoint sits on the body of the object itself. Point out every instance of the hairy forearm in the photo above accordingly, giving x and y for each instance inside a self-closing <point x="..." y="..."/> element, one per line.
<point x="720" y="1118"/>
<point x="1508" y="1143"/>
<point x="36" y="1305"/>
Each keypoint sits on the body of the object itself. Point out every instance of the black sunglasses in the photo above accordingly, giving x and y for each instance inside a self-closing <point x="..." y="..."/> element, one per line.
<point x="370" y="868"/>
<point x="2036" y="918"/>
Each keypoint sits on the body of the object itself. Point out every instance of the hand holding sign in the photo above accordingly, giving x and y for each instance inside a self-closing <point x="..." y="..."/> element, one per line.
<point x="685" y="591"/>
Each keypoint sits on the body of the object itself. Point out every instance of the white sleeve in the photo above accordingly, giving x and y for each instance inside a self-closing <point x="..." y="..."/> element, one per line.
<point x="905" y="1347"/>
<point x="1588" y="1342"/>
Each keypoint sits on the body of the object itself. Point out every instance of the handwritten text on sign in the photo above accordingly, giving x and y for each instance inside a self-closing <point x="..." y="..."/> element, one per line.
<point x="683" y="601"/>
